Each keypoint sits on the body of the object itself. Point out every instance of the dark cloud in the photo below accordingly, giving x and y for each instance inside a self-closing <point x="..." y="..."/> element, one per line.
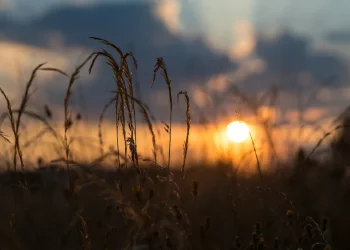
<point x="339" y="37"/>
<point x="130" y="26"/>
<point x="288" y="55"/>
<point x="290" y="60"/>
<point x="285" y="53"/>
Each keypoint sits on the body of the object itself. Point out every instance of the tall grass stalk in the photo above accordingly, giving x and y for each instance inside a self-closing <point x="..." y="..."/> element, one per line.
<point x="149" y="123"/>
<point x="22" y="107"/>
<point x="160" y="65"/>
<point x="118" y="78"/>
<point x="67" y="113"/>
<point x="120" y="71"/>
<point x="188" y="122"/>
<point x="256" y="157"/>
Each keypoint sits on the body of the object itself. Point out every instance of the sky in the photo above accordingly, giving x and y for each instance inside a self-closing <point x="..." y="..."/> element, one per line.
<point x="255" y="58"/>
<point x="208" y="45"/>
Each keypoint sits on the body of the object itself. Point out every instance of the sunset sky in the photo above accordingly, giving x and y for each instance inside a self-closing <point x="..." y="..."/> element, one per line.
<point x="298" y="49"/>
<point x="208" y="46"/>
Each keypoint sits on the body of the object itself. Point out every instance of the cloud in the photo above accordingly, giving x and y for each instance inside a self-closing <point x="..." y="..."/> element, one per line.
<point x="317" y="78"/>
<point x="218" y="83"/>
<point x="19" y="60"/>
<point x="26" y="57"/>
<point x="247" y="69"/>
<point x="80" y="2"/>
<point x="5" y="4"/>
<point x="286" y="59"/>
<point x="339" y="36"/>
<point x="244" y="36"/>
<point x="290" y="54"/>
<point x="131" y="26"/>
<point x="201" y="98"/>
<point x="169" y="12"/>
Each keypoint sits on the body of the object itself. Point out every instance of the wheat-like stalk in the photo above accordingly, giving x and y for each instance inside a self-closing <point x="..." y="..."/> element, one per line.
<point x="160" y="65"/>
<point x="326" y="134"/>
<point x="84" y="234"/>
<point x="149" y="123"/>
<point x="118" y="77"/>
<point x="188" y="122"/>
<point x="101" y="117"/>
<point x="67" y="113"/>
<point x="10" y="115"/>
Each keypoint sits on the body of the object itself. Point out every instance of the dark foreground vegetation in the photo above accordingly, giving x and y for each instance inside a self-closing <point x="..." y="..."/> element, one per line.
<point x="210" y="208"/>
<point x="299" y="205"/>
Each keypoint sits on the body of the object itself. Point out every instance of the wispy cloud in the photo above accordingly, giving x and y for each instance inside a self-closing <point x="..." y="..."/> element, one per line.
<point x="169" y="12"/>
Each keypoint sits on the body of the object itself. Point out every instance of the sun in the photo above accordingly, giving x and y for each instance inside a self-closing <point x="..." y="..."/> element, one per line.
<point x="237" y="131"/>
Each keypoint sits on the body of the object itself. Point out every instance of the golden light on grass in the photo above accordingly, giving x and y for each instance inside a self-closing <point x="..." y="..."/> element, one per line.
<point x="237" y="131"/>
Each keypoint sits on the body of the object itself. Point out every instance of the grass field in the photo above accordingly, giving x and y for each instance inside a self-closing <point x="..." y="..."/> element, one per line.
<point x="138" y="186"/>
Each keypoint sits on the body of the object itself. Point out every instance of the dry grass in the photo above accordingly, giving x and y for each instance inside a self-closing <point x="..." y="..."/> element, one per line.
<point x="160" y="65"/>
<point x="188" y="122"/>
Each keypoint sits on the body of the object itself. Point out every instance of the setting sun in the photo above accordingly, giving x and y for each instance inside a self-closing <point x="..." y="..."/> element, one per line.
<point x="237" y="131"/>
